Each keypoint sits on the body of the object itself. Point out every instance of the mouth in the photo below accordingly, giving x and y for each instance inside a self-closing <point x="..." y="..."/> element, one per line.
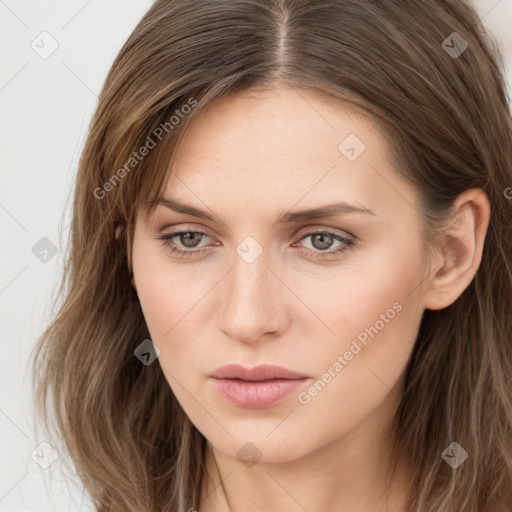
<point x="258" y="373"/>
<point x="256" y="388"/>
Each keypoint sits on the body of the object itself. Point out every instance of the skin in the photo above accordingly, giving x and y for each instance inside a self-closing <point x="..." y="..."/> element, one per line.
<point x="248" y="158"/>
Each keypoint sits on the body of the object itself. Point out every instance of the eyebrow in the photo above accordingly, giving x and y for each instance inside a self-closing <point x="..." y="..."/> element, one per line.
<point x="329" y="210"/>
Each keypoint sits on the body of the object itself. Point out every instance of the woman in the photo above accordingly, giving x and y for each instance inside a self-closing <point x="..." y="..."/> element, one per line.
<point x="289" y="278"/>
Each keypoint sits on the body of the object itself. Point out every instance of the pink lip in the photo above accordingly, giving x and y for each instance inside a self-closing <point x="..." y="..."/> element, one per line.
<point x="258" y="387"/>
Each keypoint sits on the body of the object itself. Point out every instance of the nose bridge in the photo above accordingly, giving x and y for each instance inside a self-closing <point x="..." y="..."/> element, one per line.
<point x="250" y="300"/>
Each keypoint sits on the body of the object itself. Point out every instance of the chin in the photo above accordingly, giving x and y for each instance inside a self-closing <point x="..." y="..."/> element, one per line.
<point x="262" y="448"/>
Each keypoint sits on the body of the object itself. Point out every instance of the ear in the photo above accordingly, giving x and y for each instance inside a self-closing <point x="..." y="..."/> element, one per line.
<point x="460" y="249"/>
<point x="119" y="228"/>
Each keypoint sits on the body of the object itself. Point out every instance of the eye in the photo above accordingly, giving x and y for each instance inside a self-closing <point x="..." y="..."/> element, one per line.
<point x="188" y="239"/>
<point x="321" y="241"/>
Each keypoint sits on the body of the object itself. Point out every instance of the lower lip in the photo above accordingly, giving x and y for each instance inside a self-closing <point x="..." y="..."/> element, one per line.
<point x="256" y="395"/>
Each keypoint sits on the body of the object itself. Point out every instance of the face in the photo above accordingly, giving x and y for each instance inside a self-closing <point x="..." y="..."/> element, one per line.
<point x="336" y="297"/>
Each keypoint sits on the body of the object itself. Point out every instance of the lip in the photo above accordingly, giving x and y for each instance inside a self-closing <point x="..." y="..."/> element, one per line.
<point x="258" y="387"/>
<point x="258" y="373"/>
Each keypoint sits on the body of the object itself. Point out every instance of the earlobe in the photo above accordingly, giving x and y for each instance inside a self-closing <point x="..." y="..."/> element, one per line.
<point x="460" y="250"/>
<point x="132" y="281"/>
<point x="119" y="229"/>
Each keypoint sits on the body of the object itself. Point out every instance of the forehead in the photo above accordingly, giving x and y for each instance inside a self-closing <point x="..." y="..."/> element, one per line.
<point x="253" y="149"/>
<point x="280" y="123"/>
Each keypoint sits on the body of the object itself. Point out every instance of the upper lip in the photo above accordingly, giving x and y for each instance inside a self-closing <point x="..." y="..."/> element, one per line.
<point x="257" y="373"/>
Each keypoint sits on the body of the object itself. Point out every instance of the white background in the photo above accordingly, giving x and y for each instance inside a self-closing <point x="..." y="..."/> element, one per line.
<point x="46" y="105"/>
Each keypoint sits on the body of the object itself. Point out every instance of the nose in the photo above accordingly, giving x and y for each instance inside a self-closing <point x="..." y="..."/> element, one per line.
<point x="252" y="301"/>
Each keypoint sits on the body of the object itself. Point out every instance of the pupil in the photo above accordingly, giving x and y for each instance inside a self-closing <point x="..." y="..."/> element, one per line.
<point x="188" y="239"/>
<point x="326" y="243"/>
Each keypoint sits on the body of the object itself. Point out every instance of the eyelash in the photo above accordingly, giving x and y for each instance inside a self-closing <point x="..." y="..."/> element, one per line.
<point x="166" y="241"/>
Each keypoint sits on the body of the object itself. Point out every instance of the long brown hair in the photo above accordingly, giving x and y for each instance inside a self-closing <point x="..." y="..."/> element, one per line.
<point x="432" y="78"/>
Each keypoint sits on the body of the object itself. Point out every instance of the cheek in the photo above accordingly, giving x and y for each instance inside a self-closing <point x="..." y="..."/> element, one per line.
<point x="172" y="311"/>
<point x="162" y="288"/>
<point x="165" y="312"/>
<point x="359" y="372"/>
<point x="370" y="296"/>
<point x="373" y="317"/>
